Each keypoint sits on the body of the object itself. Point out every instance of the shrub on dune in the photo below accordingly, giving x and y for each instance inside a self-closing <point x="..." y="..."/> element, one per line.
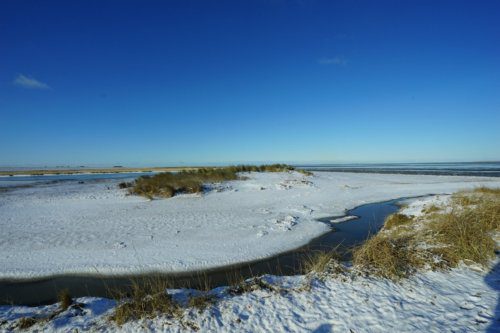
<point x="169" y="184"/>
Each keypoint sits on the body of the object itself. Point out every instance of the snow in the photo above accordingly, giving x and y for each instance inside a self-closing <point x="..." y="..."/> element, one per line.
<point x="97" y="228"/>
<point x="343" y="219"/>
<point x="460" y="300"/>
<point x="416" y="207"/>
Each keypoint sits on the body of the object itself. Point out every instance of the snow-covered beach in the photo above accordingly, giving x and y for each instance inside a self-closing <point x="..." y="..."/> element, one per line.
<point x="96" y="228"/>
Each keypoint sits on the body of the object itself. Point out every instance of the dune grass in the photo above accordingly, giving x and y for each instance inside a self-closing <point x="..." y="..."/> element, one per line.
<point x="465" y="234"/>
<point x="64" y="299"/>
<point x="169" y="184"/>
<point x="462" y="234"/>
<point x="431" y="209"/>
<point x="396" y="220"/>
<point x="487" y="190"/>
<point x="123" y="185"/>
<point x="202" y="301"/>
<point x="149" y="298"/>
<point x="388" y="256"/>
<point x="319" y="261"/>
<point x="146" y="300"/>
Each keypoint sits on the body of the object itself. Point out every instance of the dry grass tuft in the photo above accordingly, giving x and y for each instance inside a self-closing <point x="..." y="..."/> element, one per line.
<point x="395" y="220"/>
<point x="26" y="322"/>
<point x="64" y="299"/>
<point x="465" y="233"/>
<point x="234" y="277"/>
<point x="147" y="300"/>
<point x="487" y="190"/>
<point x="255" y="283"/>
<point x="202" y="301"/>
<point x="390" y="257"/>
<point x="431" y="209"/>
<point x="465" y="199"/>
<point x="242" y="287"/>
<point x="319" y="261"/>
<point x="123" y="185"/>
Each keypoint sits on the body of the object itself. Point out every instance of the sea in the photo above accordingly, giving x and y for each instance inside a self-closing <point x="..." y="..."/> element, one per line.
<point x="484" y="169"/>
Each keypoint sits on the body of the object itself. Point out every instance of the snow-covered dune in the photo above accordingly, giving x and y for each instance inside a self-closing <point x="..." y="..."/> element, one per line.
<point x="97" y="228"/>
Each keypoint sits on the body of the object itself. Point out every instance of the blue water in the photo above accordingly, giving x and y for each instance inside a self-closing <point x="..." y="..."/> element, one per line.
<point x="488" y="169"/>
<point x="7" y="181"/>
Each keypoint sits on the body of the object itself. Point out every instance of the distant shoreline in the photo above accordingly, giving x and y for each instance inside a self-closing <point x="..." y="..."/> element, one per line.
<point x="484" y="169"/>
<point x="43" y="172"/>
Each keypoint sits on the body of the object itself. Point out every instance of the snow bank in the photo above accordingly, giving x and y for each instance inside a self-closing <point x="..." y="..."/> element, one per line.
<point x="96" y="228"/>
<point x="462" y="300"/>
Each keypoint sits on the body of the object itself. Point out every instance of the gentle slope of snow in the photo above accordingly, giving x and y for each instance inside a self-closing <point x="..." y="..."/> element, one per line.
<point x="462" y="300"/>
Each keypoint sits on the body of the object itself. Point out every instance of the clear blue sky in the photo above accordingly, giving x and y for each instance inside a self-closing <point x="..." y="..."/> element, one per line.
<point x="170" y="82"/>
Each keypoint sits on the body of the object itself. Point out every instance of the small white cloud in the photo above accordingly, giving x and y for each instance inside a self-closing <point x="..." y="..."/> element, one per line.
<point x="338" y="60"/>
<point x="29" y="82"/>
